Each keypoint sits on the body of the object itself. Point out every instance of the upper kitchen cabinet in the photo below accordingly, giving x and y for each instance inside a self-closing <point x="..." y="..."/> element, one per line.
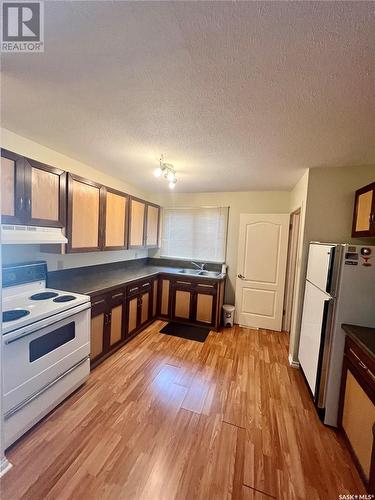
<point x="84" y="228"/>
<point x="137" y="223"/>
<point x="152" y="225"/>
<point x="364" y="212"/>
<point x="12" y="187"/>
<point x="32" y="193"/>
<point x="115" y="219"/>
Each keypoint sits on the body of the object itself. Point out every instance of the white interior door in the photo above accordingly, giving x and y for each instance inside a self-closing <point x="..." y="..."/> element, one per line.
<point x="262" y="253"/>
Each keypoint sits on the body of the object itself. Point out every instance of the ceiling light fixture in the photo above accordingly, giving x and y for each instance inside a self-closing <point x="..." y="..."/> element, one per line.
<point x="167" y="171"/>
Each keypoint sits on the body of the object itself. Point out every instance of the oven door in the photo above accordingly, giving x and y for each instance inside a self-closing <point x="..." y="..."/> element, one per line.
<point x="35" y="356"/>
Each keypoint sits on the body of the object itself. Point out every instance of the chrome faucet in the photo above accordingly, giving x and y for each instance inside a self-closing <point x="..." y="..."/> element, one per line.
<point x="199" y="266"/>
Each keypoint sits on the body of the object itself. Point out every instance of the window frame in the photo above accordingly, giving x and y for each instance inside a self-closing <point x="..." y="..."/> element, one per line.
<point x="195" y="259"/>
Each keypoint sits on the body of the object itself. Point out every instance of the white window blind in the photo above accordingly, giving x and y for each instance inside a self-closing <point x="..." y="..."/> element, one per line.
<point x="195" y="233"/>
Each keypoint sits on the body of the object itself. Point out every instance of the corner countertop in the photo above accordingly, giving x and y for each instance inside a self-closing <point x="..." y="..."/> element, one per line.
<point x="363" y="336"/>
<point x="98" y="281"/>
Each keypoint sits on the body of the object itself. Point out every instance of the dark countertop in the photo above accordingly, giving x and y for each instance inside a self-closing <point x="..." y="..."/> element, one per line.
<point x="363" y="336"/>
<point x="94" y="280"/>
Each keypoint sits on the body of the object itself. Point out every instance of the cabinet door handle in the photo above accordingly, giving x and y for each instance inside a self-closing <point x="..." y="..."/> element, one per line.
<point x="20" y="204"/>
<point x="146" y="284"/>
<point x="241" y="276"/>
<point x="117" y="295"/>
<point x="29" y="204"/>
<point x="361" y="364"/>
<point x="97" y="303"/>
<point x="133" y="289"/>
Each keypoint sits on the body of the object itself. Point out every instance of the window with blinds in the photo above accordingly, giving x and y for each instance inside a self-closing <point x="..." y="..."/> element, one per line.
<point x="195" y="233"/>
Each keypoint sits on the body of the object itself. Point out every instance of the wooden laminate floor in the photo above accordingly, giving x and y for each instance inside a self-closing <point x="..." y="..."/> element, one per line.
<point x="167" y="418"/>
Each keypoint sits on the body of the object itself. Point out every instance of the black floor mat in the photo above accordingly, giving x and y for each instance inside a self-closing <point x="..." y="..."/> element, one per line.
<point x="198" y="333"/>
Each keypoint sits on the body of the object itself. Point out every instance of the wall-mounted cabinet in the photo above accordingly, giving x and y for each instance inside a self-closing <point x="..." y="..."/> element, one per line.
<point x="137" y="223"/>
<point x="32" y="193"/>
<point x="143" y="224"/>
<point x="115" y="219"/>
<point x="152" y="225"/>
<point x="364" y="212"/>
<point x="84" y="229"/>
<point x="98" y="217"/>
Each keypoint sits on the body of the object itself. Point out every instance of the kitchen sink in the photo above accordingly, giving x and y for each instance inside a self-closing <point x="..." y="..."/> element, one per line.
<point x="193" y="272"/>
<point x="212" y="274"/>
<point x="197" y="272"/>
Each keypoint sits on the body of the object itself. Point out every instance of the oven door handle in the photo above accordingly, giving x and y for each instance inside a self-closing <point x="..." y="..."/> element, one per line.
<point x="11" y="337"/>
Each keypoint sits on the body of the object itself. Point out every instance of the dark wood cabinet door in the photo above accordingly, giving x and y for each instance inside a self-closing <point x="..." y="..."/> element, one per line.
<point x="99" y="330"/>
<point x="137" y="222"/>
<point x="164" y="298"/>
<point x="84" y="224"/>
<point x="13" y="203"/>
<point x="115" y="219"/>
<point x="182" y="304"/>
<point x="364" y="212"/>
<point x="132" y="314"/>
<point x="145" y="307"/>
<point x="45" y="194"/>
<point x="152" y="225"/>
<point x="116" y="318"/>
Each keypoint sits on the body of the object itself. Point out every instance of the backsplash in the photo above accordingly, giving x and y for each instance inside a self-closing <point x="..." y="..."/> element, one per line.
<point x="14" y="254"/>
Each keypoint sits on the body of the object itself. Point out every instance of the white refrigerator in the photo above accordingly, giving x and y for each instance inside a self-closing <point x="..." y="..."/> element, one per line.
<point x="340" y="288"/>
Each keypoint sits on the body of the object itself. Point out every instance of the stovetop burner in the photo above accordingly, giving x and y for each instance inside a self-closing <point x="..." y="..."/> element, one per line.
<point x="43" y="295"/>
<point x="64" y="298"/>
<point x="14" y="314"/>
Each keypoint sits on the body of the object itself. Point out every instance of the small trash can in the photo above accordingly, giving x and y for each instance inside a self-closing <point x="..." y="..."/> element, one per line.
<point x="228" y="315"/>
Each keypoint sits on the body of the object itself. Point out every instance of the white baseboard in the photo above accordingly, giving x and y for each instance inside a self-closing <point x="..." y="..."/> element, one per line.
<point x="293" y="364"/>
<point x="5" y="466"/>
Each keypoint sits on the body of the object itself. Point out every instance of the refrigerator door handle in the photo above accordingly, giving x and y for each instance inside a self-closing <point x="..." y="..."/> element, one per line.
<point x="324" y="354"/>
<point x="330" y="270"/>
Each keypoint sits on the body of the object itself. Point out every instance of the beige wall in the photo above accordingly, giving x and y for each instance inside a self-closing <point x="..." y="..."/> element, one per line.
<point x="21" y="253"/>
<point x="331" y="201"/>
<point x="329" y="197"/>
<point x="298" y="200"/>
<point x="244" y="202"/>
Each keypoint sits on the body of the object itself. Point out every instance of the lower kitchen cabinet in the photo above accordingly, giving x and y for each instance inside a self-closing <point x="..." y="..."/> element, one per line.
<point x="107" y="324"/>
<point x="164" y="310"/>
<point x="139" y="308"/>
<point x="196" y="301"/>
<point x="357" y="410"/>
<point x="119" y="315"/>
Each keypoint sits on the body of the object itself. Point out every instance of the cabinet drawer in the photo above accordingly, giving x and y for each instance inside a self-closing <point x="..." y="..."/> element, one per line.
<point x="138" y="287"/>
<point x="98" y="305"/>
<point x="359" y="359"/>
<point x="117" y="296"/>
<point x="206" y="288"/>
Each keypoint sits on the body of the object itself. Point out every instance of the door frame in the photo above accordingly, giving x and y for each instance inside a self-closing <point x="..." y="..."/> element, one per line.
<point x="282" y="218"/>
<point x="291" y="267"/>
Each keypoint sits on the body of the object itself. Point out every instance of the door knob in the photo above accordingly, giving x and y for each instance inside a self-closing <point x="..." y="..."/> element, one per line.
<point x="241" y="276"/>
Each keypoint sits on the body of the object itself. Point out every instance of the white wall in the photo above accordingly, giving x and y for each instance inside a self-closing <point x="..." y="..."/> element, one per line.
<point x="244" y="202"/>
<point x="14" y="254"/>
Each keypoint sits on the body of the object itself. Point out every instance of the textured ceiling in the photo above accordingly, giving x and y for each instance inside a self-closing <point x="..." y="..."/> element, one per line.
<point x="239" y="96"/>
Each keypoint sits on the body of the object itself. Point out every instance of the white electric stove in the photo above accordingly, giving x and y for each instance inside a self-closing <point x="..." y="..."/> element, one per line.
<point x="46" y="346"/>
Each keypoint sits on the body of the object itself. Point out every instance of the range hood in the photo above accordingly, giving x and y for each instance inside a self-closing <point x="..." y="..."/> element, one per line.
<point x="31" y="235"/>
